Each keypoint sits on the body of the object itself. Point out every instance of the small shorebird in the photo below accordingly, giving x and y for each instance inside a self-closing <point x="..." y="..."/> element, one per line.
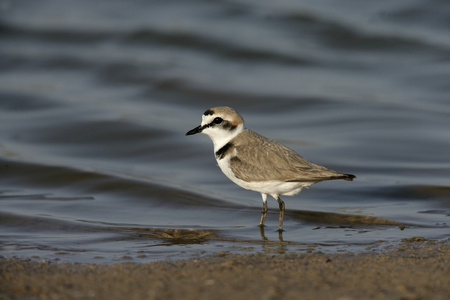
<point x="257" y="163"/>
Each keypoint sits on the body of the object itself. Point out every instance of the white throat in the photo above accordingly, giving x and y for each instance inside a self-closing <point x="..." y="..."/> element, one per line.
<point x="221" y="137"/>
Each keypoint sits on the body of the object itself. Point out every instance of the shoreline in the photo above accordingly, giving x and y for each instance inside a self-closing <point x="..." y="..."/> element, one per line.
<point x="415" y="270"/>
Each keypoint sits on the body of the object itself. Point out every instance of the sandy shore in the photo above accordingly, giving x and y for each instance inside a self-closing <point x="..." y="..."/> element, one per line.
<point x="414" y="270"/>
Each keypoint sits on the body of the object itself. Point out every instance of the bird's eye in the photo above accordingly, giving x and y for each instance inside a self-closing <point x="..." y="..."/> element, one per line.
<point x="218" y="120"/>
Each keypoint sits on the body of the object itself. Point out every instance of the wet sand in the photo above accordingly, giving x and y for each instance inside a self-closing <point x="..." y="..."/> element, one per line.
<point x="416" y="269"/>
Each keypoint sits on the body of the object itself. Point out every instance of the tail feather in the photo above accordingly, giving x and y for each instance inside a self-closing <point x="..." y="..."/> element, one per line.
<point x="348" y="177"/>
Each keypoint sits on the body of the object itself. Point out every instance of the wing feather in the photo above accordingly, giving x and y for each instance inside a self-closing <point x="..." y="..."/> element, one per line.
<point x="274" y="161"/>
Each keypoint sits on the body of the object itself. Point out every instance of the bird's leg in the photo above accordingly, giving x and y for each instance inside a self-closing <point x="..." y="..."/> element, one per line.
<point x="280" y="235"/>
<point x="264" y="210"/>
<point x="263" y="235"/>
<point x="281" y="204"/>
<point x="263" y="214"/>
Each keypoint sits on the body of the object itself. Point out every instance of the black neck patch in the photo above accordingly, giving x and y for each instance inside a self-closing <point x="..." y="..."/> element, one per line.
<point x="222" y="152"/>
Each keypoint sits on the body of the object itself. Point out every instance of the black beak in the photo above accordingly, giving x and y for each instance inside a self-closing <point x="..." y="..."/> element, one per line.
<point x="197" y="129"/>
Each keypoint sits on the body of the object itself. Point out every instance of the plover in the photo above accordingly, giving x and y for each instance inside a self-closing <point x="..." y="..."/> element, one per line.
<point x="257" y="163"/>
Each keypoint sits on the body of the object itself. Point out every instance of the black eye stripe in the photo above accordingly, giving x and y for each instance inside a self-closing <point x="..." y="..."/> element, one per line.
<point x="229" y="126"/>
<point x="224" y="123"/>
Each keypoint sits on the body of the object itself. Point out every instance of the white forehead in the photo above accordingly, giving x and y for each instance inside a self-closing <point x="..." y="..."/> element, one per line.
<point x="207" y="119"/>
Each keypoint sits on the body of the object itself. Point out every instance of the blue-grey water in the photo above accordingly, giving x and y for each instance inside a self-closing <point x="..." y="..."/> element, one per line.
<point x="96" y="98"/>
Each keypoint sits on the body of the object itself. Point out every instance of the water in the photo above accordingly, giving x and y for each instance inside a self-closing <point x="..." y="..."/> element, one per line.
<point x="96" y="98"/>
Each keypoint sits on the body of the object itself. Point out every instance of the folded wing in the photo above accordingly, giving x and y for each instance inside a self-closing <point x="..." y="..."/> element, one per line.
<point x="274" y="161"/>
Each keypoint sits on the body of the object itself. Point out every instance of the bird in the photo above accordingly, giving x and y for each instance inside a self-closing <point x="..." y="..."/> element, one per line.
<point x="257" y="163"/>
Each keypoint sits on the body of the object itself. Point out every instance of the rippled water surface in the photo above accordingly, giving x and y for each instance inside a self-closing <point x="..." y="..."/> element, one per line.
<point x="96" y="98"/>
